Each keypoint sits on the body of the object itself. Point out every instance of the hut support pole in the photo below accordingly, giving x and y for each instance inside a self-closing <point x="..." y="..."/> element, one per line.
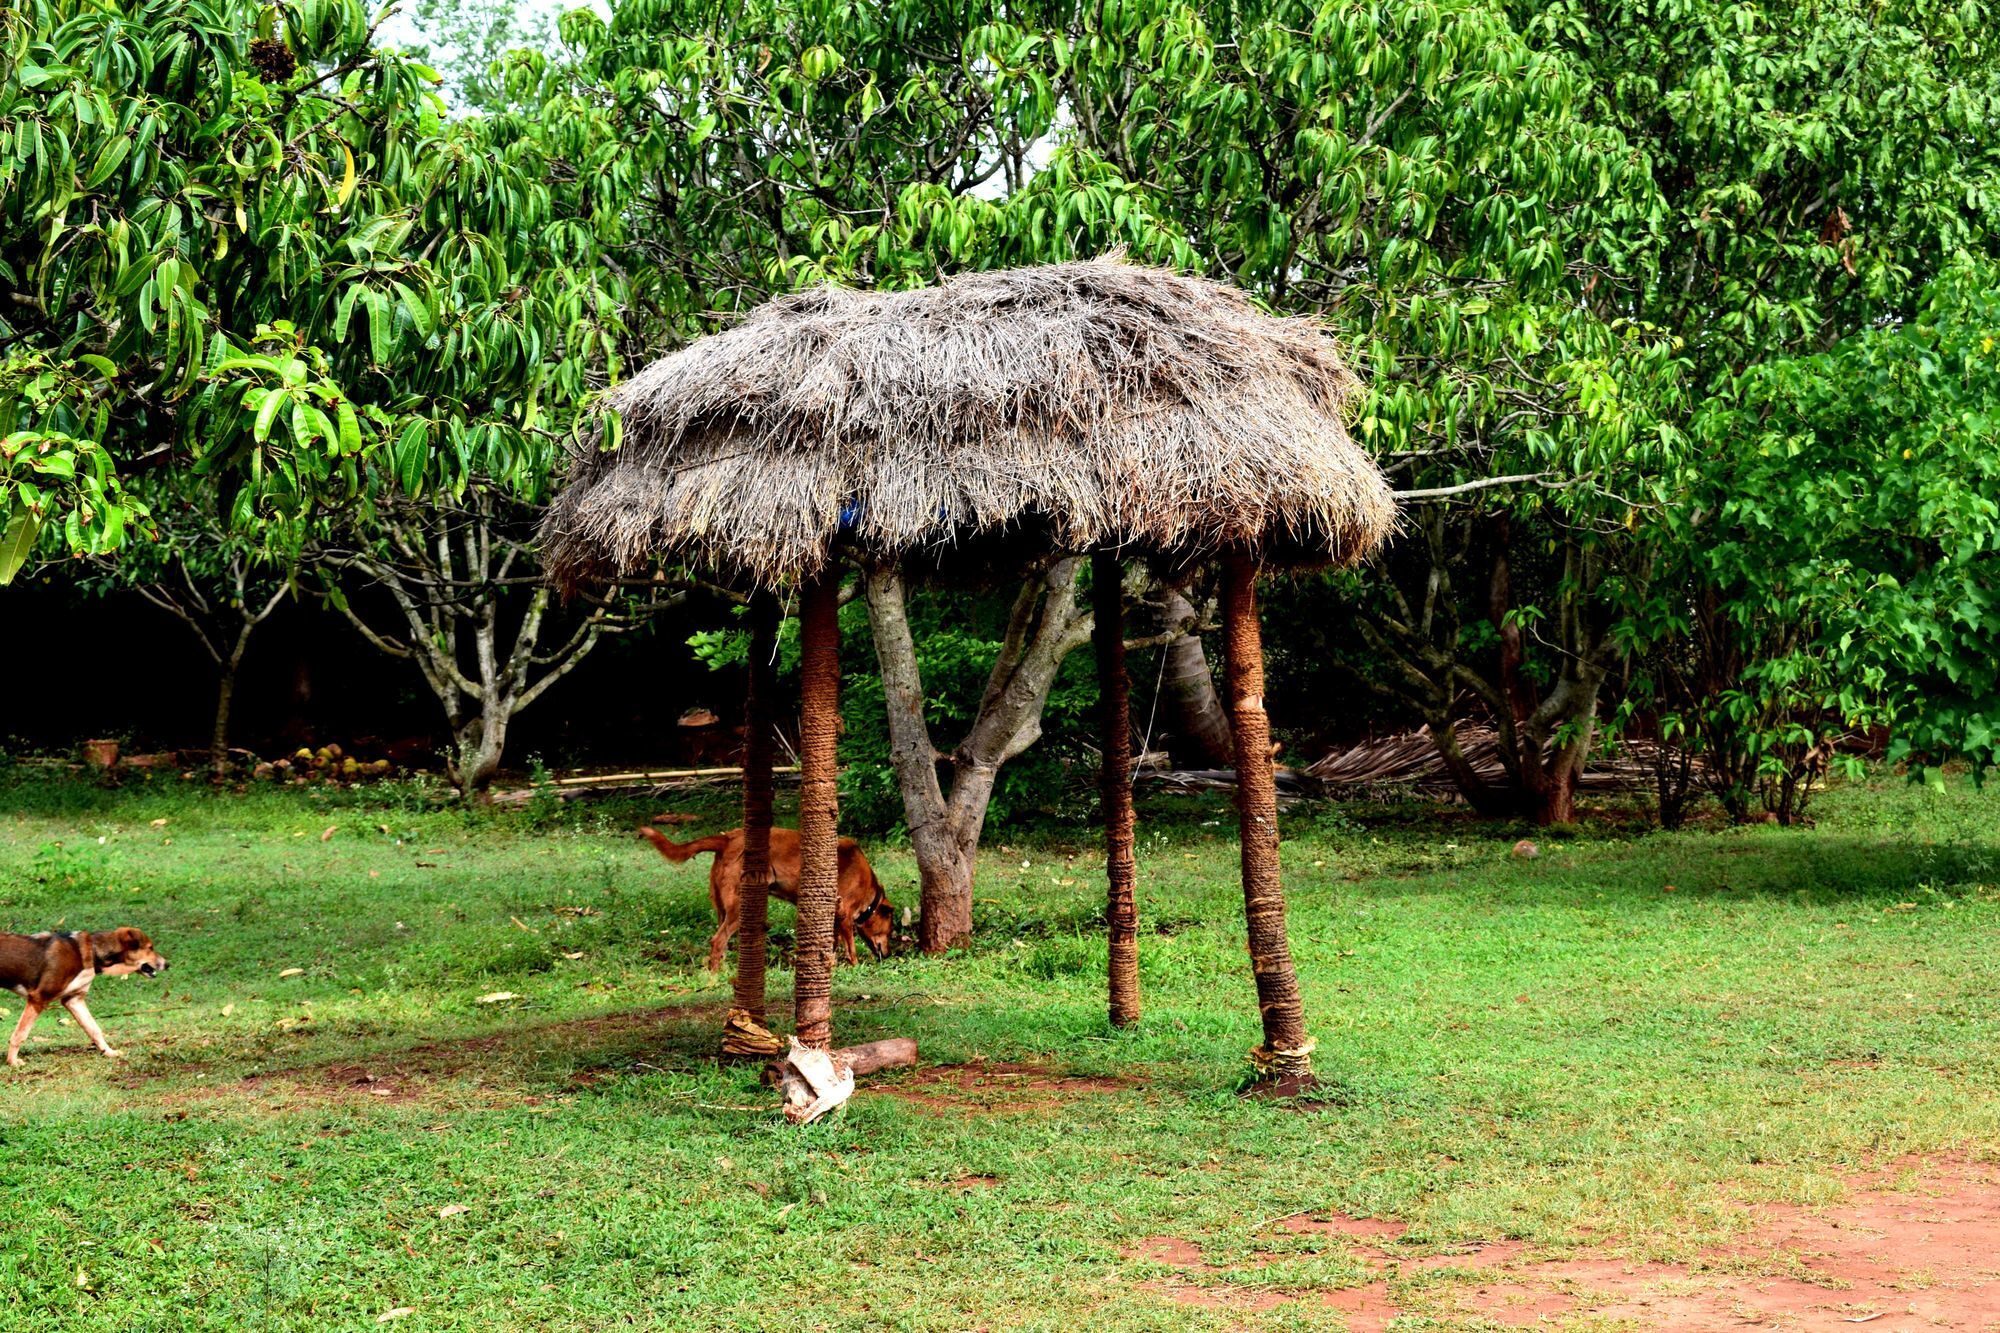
<point x="744" y="1033"/>
<point x="1287" y="1052"/>
<point x="819" y="808"/>
<point x="1121" y="907"/>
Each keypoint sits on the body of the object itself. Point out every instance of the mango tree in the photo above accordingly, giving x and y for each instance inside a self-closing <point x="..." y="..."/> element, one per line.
<point x="247" y="242"/>
<point x="490" y="315"/>
<point x="1817" y="169"/>
<point x="1849" y="526"/>
<point x="220" y="583"/>
<point x="175" y="179"/>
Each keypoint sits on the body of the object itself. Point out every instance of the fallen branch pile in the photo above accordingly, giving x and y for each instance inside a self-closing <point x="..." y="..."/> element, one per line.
<point x="1411" y="759"/>
<point x="659" y="782"/>
<point x="1290" y="784"/>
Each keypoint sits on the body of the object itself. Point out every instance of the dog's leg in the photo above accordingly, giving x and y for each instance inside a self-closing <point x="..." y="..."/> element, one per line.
<point x="81" y="1012"/>
<point x="29" y="1013"/>
<point x="843" y="940"/>
<point x="718" y="943"/>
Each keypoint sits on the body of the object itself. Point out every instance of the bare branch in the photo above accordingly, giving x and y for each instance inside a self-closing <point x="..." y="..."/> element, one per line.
<point x="1483" y="484"/>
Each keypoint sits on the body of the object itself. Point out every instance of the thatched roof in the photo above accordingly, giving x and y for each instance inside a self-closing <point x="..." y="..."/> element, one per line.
<point x="1075" y="405"/>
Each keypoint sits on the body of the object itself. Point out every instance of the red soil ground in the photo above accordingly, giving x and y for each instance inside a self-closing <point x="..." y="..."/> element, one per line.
<point x="1911" y="1249"/>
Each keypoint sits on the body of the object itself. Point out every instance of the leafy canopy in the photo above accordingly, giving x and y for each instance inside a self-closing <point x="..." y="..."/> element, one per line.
<point x="243" y="239"/>
<point x="1858" y="496"/>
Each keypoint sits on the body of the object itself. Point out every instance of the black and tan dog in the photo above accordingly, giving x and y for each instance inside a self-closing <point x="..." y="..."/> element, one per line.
<point x="52" y="968"/>
<point x="862" y="908"/>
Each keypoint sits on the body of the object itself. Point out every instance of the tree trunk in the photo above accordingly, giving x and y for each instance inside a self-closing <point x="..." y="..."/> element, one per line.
<point x="1565" y="762"/>
<point x="1417" y="638"/>
<point x="753" y="891"/>
<point x="218" y="739"/>
<point x="819" y="809"/>
<point x="1121" y="908"/>
<point x="1194" y="710"/>
<point x="945" y="830"/>
<point x="945" y="866"/>
<point x="1481" y="795"/>
<point x="1514" y="689"/>
<point x="944" y="863"/>
<point x="479" y="743"/>
<point x="1286" y="1052"/>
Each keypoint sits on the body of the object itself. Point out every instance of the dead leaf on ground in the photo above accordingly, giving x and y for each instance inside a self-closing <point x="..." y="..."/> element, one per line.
<point x="396" y="1313"/>
<point x="496" y="997"/>
<point x="292" y="972"/>
<point x="328" y="835"/>
<point x="453" y="1210"/>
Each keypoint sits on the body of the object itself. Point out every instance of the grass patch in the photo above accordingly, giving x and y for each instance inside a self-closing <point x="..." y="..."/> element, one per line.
<point x="1620" y="1043"/>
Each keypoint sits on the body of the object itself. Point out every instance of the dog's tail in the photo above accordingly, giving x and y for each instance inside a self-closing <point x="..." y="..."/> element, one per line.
<point x="677" y="852"/>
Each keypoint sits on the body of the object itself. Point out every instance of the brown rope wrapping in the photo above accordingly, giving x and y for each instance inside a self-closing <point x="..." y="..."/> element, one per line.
<point x="1271" y="1064"/>
<point x="1121" y="907"/>
<point x="819" y="809"/>
<point x="1278" y="1001"/>
<point x="754" y="889"/>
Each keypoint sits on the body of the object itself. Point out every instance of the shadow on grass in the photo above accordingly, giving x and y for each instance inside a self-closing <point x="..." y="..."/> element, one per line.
<point x="526" y="1065"/>
<point x="512" y="1064"/>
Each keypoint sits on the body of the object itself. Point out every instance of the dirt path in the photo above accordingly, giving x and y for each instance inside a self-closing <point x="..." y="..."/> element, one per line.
<point x="1912" y="1249"/>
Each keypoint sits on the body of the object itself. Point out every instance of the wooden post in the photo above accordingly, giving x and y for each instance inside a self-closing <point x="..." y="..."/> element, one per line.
<point x="1287" y="1052"/>
<point x="819" y="809"/>
<point x="754" y="891"/>
<point x="1121" y="906"/>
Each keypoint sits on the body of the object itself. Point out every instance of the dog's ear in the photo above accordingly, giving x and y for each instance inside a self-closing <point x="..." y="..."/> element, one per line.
<point x="129" y="940"/>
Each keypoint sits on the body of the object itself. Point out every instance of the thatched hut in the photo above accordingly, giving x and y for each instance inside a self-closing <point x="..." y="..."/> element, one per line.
<point x="1095" y="407"/>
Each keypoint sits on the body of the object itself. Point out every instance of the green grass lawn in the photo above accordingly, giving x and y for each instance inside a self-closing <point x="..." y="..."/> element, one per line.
<point x="1623" y="1043"/>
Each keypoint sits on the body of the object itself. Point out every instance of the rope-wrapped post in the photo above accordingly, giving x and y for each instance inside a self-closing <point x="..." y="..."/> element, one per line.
<point x="744" y="1032"/>
<point x="1287" y="1051"/>
<point x="819" y="809"/>
<point x="1121" y="906"/>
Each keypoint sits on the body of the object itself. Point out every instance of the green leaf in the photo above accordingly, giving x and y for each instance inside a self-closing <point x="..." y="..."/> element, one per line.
<point x="17" y="542"/>
<point x="381" y="330"/>
<point x="350" y="427"/>
<point x="418" y="312"/>
<point x="267" y="412"/>
<point x="107" y="162"/>
<point x="413" y="456"/>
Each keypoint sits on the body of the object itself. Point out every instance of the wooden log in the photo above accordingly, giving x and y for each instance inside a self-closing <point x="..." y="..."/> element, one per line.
<point x="662" y="775"/>
<point x="889" y="1053"/>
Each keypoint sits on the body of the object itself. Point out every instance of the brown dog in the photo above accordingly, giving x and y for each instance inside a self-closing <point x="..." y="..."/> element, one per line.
<point x="46" y="968"/>
<point x="862" y="906"/>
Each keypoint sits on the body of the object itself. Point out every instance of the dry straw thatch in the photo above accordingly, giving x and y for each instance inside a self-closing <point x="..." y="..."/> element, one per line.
<point x="1076" y="405"/>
